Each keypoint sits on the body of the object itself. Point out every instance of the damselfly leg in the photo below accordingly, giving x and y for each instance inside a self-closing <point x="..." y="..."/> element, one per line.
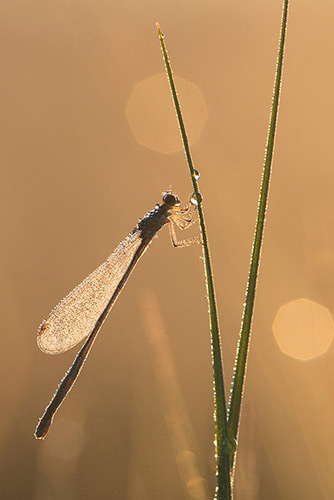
<point x="183" y="217"/>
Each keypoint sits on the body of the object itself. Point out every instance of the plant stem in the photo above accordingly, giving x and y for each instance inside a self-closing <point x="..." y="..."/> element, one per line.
<point x="223" y="490"/>
<point x="243" y="346"/>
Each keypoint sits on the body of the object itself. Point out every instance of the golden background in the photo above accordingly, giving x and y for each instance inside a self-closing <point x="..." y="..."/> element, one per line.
<point x="74" y="181"/>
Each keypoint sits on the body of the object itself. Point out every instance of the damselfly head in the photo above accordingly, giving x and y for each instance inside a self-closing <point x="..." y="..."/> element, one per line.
<point x="170" y="199"/>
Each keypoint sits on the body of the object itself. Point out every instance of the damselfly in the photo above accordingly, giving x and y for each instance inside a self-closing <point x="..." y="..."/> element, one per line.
<point x="82" y="312"/>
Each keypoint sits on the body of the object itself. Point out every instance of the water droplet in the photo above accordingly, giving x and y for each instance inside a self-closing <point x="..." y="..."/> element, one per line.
<point x="197" y="175"/>
<point x="232" y="445"/>
<point x="196" y="200"/>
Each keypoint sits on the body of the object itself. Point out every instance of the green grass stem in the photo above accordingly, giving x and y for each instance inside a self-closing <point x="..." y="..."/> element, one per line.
<point x="223" y="490"/>
<point x="243" y="345"/>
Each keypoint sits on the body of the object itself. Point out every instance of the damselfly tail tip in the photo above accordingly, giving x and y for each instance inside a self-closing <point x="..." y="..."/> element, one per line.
<point x="42" y="428"/>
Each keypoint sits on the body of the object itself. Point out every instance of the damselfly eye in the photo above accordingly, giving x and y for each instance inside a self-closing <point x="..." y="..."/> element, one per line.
<point x="170" y="199"/>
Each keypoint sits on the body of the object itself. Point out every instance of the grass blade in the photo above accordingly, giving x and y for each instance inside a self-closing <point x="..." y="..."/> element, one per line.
<point x="242" y="350"/>
<point x="223" y="490"/>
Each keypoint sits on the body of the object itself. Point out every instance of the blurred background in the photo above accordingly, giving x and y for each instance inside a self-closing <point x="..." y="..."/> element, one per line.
<point x="88" y="143"/>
